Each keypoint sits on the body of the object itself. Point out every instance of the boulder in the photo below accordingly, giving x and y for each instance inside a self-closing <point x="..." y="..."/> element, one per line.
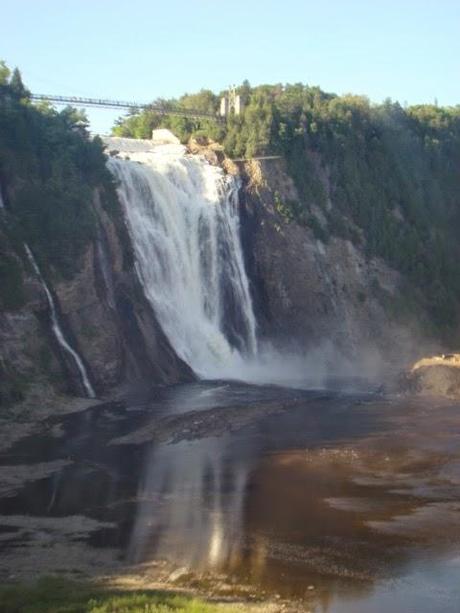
<point x="437" y="375"/>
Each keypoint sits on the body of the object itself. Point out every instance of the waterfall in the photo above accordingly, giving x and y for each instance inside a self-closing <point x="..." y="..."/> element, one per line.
<point x="183" y="220"/>
<point x="57" y="330"/>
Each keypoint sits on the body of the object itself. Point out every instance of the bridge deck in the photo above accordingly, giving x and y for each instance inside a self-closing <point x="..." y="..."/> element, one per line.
<point x="161" y="109"/>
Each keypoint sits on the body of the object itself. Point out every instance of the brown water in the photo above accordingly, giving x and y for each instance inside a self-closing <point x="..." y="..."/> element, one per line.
<point x="344" y="502"/>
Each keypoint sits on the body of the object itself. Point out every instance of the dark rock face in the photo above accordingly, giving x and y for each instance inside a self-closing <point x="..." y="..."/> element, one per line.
<point x="104" y="315"/>
<point x="308" y="293"/>
<point x="116" y="328"/>
<point x="147" y="352"/>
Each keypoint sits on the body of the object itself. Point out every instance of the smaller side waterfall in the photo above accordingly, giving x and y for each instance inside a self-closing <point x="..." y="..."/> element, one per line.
<point x="57" y="330"/>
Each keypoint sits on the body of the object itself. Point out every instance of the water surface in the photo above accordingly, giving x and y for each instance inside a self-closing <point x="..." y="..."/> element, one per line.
<point x="346" y="502"/>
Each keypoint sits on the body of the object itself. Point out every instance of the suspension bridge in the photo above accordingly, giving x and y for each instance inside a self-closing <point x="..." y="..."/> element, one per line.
<point x="157" y="107"/>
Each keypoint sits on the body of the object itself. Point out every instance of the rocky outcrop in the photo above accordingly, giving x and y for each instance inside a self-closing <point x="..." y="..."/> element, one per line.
<point x="211" y="151"/>
<point x="438" y="375"/>
<point x="312" y="293"/>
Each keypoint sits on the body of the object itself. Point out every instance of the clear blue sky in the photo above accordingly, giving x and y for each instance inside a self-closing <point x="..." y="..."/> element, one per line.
<point x="408" y="50"/>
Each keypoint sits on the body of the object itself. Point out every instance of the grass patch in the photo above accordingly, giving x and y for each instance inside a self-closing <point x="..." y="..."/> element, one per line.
<point x="57" y="595"/>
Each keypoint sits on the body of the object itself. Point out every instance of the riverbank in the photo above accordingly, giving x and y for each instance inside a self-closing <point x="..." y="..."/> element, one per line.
<point x="53" y="593"/>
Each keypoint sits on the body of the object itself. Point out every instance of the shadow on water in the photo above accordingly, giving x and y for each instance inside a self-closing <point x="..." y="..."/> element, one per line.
<point x="336" y="498"/>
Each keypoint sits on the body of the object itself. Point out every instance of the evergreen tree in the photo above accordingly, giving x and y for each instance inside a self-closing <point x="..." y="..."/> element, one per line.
<point x="17" y="86"/>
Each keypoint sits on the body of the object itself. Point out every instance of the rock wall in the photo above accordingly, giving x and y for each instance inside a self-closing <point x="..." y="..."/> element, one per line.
<point x="27" y="362"/>
<point x="311" y="294"/>
<point x="105" y="316"/>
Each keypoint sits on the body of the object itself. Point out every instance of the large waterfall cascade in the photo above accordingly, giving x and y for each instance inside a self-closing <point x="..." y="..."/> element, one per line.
<point x="58" y="332"/>
<point x="183" y="220"/>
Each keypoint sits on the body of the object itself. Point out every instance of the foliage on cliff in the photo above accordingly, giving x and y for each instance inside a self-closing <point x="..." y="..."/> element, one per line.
<point x="49" y="167"/>
<point x="383" y="175"/>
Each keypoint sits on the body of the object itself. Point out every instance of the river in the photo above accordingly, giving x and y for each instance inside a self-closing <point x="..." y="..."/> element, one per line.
<point x="339" y="501"/>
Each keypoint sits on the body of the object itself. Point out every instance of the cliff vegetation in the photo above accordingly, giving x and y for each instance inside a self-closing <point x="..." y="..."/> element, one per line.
<point x="49" y="169"/>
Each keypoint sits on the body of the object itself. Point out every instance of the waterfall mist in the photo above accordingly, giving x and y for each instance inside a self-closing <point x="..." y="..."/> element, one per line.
<point x="183" y="220"/>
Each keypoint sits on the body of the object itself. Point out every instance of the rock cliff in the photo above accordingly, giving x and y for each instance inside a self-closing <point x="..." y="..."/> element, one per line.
<point x="311" y="293"/>
<point x="104" y="314"/>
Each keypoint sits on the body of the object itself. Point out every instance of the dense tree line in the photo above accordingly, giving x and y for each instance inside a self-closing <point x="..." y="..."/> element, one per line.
<point x="383" y="175"/>
<point x="49" y="167"/>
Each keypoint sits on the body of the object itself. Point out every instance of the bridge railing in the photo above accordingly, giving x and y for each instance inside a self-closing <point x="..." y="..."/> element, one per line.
<point x="161" y="109"/>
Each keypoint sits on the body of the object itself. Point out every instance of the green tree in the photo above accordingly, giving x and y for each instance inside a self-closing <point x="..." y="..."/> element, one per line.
<point x="17" y="86"/>
<point x="4" y="73"/>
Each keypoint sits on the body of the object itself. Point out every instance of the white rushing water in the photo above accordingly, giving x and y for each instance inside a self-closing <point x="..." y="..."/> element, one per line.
<point x="183" y="220"/>
<point x="57" y="330"/>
